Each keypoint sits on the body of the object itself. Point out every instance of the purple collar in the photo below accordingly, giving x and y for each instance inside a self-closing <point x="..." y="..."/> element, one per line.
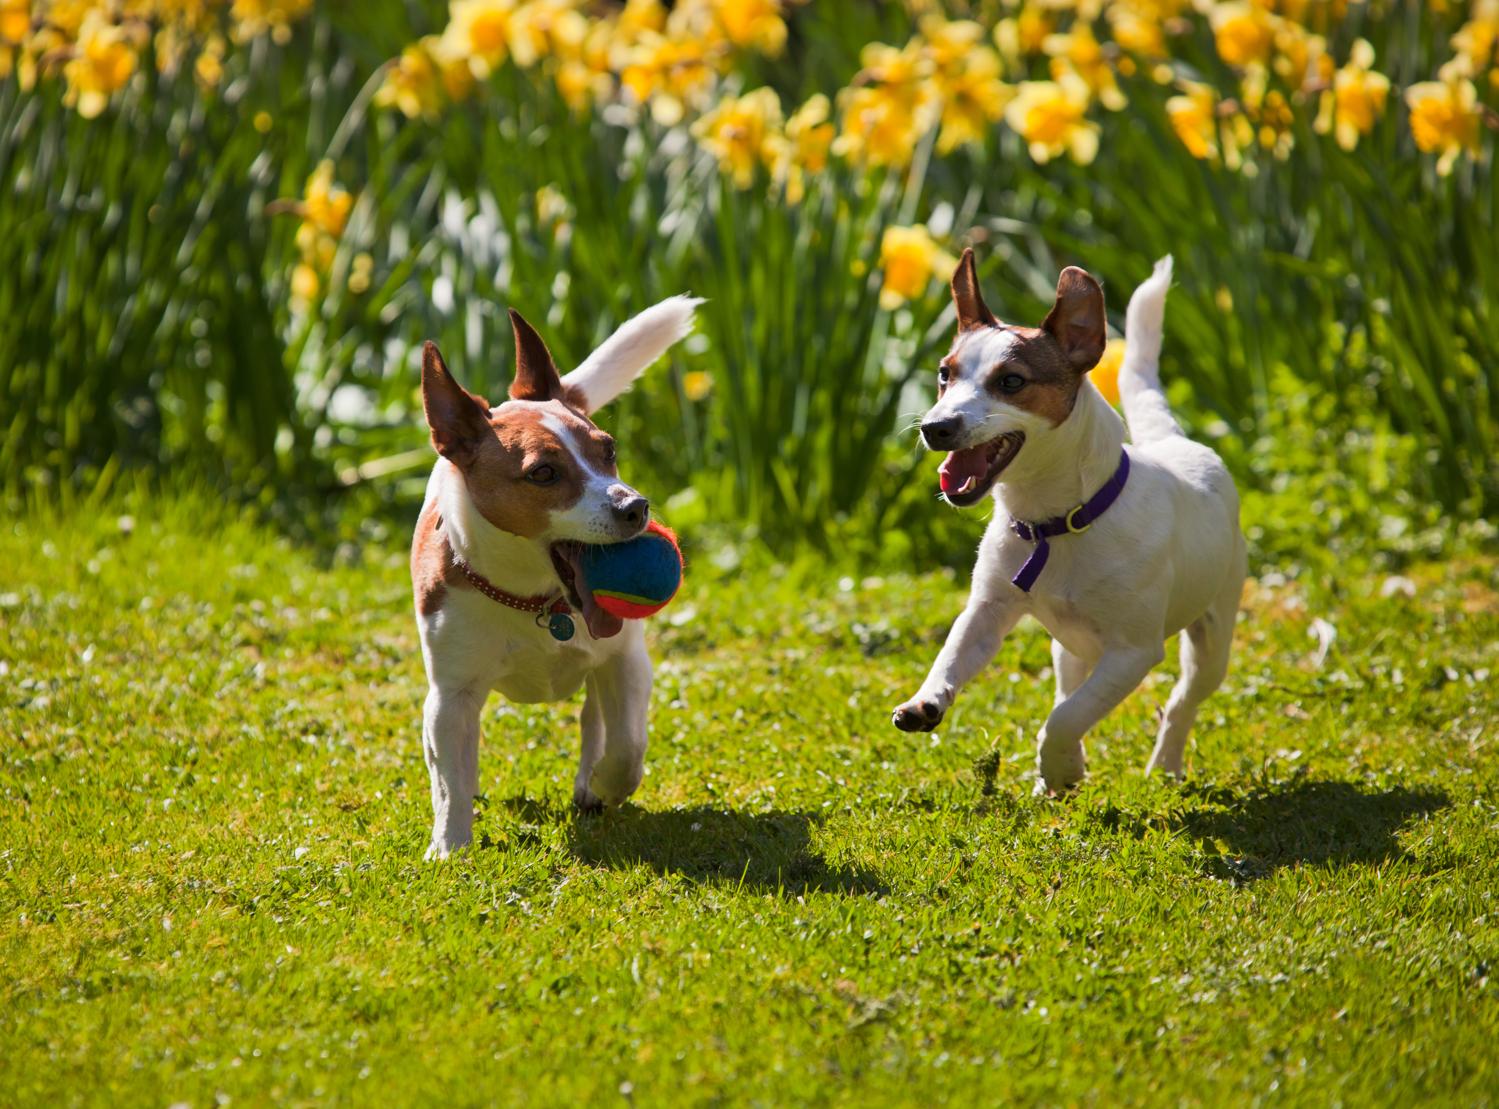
<point x="1073" y="523"/>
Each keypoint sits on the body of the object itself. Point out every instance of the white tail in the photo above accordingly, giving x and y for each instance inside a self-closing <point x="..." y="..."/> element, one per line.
<point x="1145" y="408"/>
<point x="621" y="358"/>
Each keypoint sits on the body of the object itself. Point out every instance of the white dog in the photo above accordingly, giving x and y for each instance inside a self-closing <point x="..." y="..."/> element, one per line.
<point x="494" y="563"/>
<point x="1112" y="549"/>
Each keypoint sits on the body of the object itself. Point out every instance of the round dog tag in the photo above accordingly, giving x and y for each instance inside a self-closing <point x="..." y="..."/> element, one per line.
<point x="561" y="626"/>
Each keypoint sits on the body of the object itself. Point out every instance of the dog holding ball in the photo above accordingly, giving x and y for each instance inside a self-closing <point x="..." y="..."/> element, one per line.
<point x="533" y="563"/>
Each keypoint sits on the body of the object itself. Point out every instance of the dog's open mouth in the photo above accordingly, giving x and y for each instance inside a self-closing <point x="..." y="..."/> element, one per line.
<point x="968" y="474"/>
<point x="567" y="560"/>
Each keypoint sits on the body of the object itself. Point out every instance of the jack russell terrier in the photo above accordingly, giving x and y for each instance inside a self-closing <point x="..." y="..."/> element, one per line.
<point x="1112" y="548"/>
<point x="494" y="563"/>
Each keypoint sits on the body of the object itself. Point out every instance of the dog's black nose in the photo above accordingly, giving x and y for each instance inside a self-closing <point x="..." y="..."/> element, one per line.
<point x="629" y="506"/>
<point x="940" y="435"/>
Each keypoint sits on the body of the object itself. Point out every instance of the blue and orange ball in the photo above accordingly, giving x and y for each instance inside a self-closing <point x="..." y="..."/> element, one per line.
<point x="638" y="577"/>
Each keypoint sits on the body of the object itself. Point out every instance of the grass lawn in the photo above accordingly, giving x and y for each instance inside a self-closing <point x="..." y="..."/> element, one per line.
<point x="214" y="812"/>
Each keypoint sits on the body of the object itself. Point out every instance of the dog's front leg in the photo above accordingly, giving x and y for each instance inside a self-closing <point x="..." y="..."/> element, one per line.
<point x="619" y="695"/>
<point x="450" y="743"/>
<point x="974" y="640"/>
<point x="1059" y="751"/>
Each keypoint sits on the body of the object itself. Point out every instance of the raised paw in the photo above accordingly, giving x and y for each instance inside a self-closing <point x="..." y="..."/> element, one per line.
<point x="917" y="715"/>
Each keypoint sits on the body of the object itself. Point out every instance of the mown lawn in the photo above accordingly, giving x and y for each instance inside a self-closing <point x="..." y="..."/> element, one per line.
<point x="214" y="812"/>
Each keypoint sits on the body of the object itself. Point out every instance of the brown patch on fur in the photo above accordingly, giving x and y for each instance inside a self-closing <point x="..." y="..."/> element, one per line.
<point x="1051" y="383"/>
<point x="1053" y="357"/>
<point x="536" y="376"/>
<point x="1076" y="320"/>
<point x="458" y="419"/>
<point x="519" y="442"/>
<point x="968" y="298"/>
<point x="432" y="567"/>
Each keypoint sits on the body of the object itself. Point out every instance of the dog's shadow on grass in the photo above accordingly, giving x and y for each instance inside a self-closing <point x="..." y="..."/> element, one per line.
<point x="1252" y="833"/>
<point x="772" y="852"/>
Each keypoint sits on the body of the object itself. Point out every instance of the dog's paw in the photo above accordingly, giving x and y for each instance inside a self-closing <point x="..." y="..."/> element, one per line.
<point x="1058" y="792"/>
<point x="917" y="715"/>
<point x="437" y="850"/>
<point x="585" y="803"/>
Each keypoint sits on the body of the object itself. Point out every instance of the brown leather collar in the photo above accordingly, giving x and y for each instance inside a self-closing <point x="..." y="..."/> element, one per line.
<point x="542" y="602"/>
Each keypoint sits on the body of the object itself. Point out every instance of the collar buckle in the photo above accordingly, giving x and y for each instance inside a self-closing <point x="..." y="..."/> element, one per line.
<point x="1073" y="528"/>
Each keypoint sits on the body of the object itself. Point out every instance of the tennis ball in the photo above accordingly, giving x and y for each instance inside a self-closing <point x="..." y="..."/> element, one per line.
<point x="636" y="578"/>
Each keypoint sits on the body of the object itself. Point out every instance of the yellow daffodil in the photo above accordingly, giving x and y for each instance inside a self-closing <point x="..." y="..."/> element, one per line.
<point x="802" y="147"/>
<point x="1445" y="117"/>
<point x="737" y="131"/>
<point x="878" y="129"/>
<point x="15" y="22"/>
<point x="1194" y="118"/>
<point x="1477" y="41"/>
<point x="1105" y="375"/>
<point x="104" y="59"/>
<point x="360" y="273"/>
<point x="1139" y="26"/>
<point x="668" y="74"/>
<point x="1051" y="116"/>
<point x="1078" y="51"/>
<point x="326" y="205"/>
<point x="973" y="99"/>
<point x="639" y="16"/>
<point x="1269" y="112"/>
<point x="754" y="24"/>
<point x="1021" y="35"/>
<point x="304" y="282"/>
<point x="583" y="75"/>
<point x="411" y="84"/>
<point x="950" y="42"/>
<point x="252" y="18"/>
<point x="909" y="257"/>
<point x="480" y="32"/>
<point x="1301" y="57"/>
<point x="1356" y="100"/>
<point x="892" y="105"/>
<point x="1243" y="33"/>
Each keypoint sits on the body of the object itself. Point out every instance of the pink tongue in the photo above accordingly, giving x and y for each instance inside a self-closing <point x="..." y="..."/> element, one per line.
<point x="601" y="624"/>
<point x="959" y="466"/>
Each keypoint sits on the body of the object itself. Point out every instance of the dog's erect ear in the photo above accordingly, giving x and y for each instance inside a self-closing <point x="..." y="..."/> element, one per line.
<point x="1076" y="320"/>
<point x="458" y="419"/>
<point x="972" y="311"/>
<point x="536" y="376"/>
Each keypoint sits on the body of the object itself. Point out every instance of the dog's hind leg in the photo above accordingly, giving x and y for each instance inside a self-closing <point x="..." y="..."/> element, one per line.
<point x="1205" y="645"/>
<point x="450" y="744"/>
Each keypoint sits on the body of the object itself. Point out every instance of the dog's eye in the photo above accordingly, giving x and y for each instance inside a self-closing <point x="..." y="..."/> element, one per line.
<point x="1011" y="383"/>
<point x="610" y="454"/>
<point x="941" y="375"/>
<point x="541" y="475"/>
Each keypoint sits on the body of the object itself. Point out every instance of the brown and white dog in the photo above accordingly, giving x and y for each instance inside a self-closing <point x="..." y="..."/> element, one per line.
<point x="1147" y="539"/>
<point x="518" y="489"/>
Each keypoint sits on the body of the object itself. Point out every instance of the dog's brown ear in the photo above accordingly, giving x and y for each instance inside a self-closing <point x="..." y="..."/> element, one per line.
<point x="458" y="419"/>
<point x="536" y="376"/>
<point x="1076" y="320"/>
<point x="966" y="297"/>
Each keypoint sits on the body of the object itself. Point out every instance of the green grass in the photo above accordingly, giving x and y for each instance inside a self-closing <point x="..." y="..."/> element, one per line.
<point x="214" y="810"/>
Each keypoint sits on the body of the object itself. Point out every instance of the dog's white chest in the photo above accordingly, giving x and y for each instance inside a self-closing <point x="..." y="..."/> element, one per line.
<point x="1069" y="623"/>
<point x="475" y="643"/>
